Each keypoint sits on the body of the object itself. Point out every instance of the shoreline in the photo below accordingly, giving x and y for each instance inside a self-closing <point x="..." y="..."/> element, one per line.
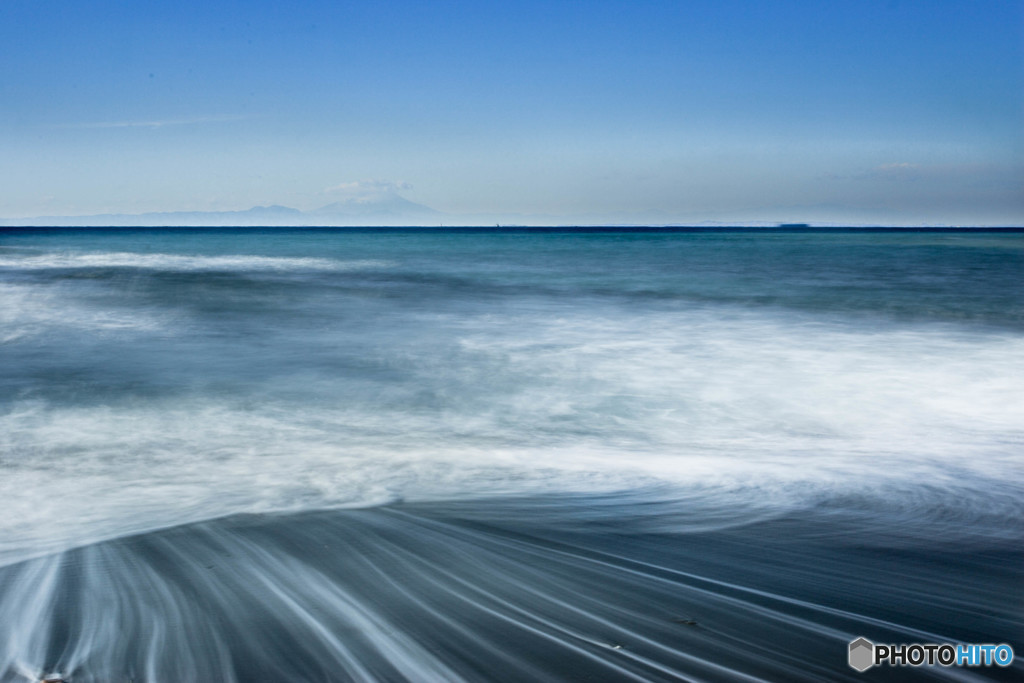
<point x="424" y="590"/>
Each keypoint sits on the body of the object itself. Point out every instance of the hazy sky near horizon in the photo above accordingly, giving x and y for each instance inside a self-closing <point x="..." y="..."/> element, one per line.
<point x="888" y="111"/>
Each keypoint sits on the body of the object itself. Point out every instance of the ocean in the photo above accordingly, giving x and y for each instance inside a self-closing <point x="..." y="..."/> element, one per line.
<point x="507" y="455"/>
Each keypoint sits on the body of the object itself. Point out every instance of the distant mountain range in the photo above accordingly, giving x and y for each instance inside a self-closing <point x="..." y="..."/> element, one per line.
<point x="376" y="207"/>
<point x="389" y="209"/>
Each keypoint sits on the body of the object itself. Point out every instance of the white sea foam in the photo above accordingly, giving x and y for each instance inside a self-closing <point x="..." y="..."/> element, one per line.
<point x="752" y="412"/>
<point x="180" y="262"/>
<point x="27" y="311"/>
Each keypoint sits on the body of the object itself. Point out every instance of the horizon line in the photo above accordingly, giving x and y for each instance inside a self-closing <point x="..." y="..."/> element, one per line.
<point x="624" y="227"/>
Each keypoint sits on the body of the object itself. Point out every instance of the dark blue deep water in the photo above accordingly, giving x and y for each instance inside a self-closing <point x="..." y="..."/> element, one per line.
<point x="243" y="455"/>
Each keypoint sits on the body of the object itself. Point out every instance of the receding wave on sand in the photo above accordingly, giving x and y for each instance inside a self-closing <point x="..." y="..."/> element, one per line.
<point x="431" y="592"/>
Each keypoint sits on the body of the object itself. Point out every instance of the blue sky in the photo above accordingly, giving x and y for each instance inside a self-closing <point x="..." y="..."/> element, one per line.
<point x="882" y="112"/>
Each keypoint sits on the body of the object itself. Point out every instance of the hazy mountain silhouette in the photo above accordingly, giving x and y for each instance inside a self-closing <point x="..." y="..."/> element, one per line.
<point x="387" y="209"/>
<point x="381" y="205"/>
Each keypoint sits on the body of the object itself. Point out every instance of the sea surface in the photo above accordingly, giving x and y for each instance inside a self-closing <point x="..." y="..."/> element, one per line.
<point x="509" y="455"/>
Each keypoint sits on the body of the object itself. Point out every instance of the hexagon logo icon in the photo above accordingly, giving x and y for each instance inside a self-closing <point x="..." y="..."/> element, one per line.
<point x="862" y="654"/>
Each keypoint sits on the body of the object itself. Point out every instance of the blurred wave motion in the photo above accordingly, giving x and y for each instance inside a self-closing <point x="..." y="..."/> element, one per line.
<point x="423" y="455"/>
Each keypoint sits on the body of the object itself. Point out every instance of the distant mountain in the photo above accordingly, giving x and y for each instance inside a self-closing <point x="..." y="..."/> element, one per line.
<point x="387" y="209"/>
<point x="380" y="206"/>
<point x="258" y="215"/>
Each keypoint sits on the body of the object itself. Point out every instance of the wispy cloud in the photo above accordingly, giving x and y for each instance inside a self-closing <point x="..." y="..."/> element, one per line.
<point x="358" y="188"/>
<point x="154" y="123"/>
<point x="949" y="172"/>
<point x="899" y="169"/>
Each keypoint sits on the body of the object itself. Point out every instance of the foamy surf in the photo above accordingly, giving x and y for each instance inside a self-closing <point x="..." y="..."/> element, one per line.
<point x="178" y="262"/>
<point x="426" y="455"/>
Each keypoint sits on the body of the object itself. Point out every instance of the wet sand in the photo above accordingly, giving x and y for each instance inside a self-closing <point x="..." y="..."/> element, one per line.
<point x="512" y="590"/>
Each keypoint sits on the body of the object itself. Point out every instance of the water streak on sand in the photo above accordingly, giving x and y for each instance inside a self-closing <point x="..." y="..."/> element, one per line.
<point x="402" y="595"/>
